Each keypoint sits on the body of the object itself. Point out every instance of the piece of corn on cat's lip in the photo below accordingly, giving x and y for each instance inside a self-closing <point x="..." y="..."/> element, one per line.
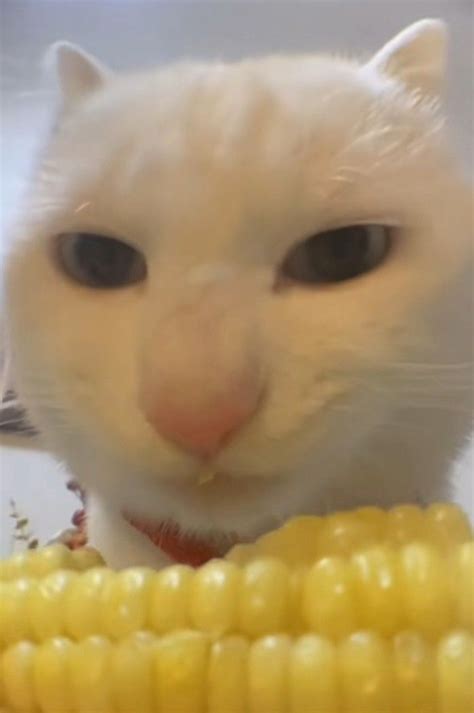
<point x="205" y="476"/>
<point x="304" y="539"/>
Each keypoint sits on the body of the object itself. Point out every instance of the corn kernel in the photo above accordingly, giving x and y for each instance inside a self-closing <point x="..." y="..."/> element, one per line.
<point x="45" y="604"/>
<point x="264" y="598"/>
<point x="131" y="672"/>
<point x="180" y="672"/>
<point x="228" y="676"/>
<point x="447" y="524"/>
<point x="14" y="624"/>
<point x="17" y="671"/>
<point x="124" y="602"/>
<point x="50" y="675"/>
<point x="214" y="597"/>
<point x="268" y="674"/>
<point x="415" y="674"/>
<point x="89" y="675"/>
<point x="456" y="673"/>
<point x="367" y="684"/>
<point x="328" y="598"/>
<point x="376" y="589"/>
<point x="426" y="598"/>
<point x="313" y="684"/>
<point x="82" y="613"/>
<point x="169" y="598"/>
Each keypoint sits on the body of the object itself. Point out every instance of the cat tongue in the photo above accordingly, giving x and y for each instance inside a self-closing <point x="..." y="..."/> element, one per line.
<point x="179" y="547"/>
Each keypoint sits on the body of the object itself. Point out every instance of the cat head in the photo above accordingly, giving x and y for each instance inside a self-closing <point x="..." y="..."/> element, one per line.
<point x="218" y="265"/>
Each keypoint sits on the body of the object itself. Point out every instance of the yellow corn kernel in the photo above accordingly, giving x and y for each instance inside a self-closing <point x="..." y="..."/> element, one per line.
<point x="328" y="598"/>
<point x="131" y="672"/>
<point x="268" y="674"/>
<point x="89" y="675"/>
<point x="264" y="598"/>
<point x="313" y="683"/>
<point x="377" y="591"/>
<point x="415" y="674"/>
<point x="82" y="613"/>
<point x="228" y="676"/>
<point x="426" y="599"/>
<point x="44" y="605"/>
<point x="16" y="668"/>
<point x="365" y="667"/>
<point x="50" y="675"/>
<point x="15" y="566"/>
<point x="181" y="663"/>
<point x="169" y="599"/>
<point x="214" y="594"/>
<point x="376" y="519"/>
<point x="296" y="543"/>
<point x="15" y="625"/>
<point x="456" y="674"/>
<point x="344" y="533"/>
<point x="406" y="523"/>
<point x="445" y="524"/>
<point x="124" y="602"/>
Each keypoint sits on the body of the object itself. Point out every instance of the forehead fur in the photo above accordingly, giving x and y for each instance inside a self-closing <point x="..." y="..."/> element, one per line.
<point x="267" y="137"/>
<point x="266" y="108"/>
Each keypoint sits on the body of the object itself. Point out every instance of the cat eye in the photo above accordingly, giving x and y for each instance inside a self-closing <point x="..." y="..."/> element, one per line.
<point x="337" y="255"/>
<point x="99" y="261"/>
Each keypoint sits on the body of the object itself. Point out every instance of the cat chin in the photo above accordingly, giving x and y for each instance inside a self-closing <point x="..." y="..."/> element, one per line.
<point x="222" y="508"/>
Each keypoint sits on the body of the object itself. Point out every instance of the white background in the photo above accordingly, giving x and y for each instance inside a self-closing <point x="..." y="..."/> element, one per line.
<point x="130" y="33"/>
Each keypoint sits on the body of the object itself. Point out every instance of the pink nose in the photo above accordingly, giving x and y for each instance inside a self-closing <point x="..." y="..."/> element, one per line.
<point x="204" y="430"/>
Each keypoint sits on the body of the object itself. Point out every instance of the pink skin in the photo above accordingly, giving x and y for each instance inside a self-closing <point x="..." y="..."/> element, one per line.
<point x="201" y="426"/>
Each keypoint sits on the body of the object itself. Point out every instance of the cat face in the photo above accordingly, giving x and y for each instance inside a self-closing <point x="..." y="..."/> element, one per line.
<point x="220" y="264"/>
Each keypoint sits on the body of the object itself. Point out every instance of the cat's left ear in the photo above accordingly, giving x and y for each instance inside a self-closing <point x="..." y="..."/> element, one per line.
<point x="416" y="56"/>
<point x="78" y="73"/>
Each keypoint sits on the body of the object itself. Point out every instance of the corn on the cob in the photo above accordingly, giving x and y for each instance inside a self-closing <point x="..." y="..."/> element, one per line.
<point x="363" y="612"/>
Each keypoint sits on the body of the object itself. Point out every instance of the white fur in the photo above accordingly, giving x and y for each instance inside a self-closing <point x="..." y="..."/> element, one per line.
<point x="214" y="172"/>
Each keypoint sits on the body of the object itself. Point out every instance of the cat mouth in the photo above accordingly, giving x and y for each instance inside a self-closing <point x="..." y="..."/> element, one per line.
<point x="180" y="547"/>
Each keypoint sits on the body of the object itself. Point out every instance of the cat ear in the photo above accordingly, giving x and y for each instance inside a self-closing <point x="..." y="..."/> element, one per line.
<point x="78" y="73"/>
<point x="416" y="56"/>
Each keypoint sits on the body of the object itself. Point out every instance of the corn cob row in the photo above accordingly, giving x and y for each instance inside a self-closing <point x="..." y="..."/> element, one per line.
<point x="188" y="672"/>
<point x="302" y="540"/>
<point x="40" y="562"/>
<point x="382" y="589"/>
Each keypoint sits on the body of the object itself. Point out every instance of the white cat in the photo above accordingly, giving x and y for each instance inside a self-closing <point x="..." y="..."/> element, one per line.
<point x="241" y="291"/>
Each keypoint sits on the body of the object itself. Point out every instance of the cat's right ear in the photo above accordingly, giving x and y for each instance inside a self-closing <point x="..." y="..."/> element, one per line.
<point x="416" y="57"/>
<point x="78" y="73"/>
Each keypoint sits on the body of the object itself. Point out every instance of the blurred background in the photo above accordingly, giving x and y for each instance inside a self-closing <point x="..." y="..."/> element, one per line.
<point x="137" y="33"/>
